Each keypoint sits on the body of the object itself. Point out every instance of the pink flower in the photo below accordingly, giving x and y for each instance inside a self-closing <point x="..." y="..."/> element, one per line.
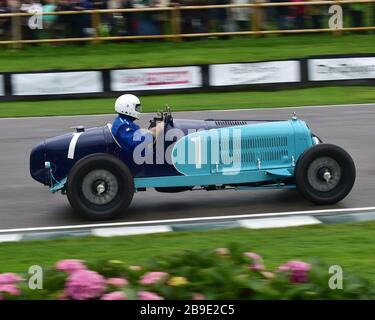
<point x="257" y="261"/>
<point x="253" y="255"/>
<point x="199" y="296"/>
<point x="10" y="289"/>
<point x="84" y="285"/>
<point x="9" y="278"/>
<point x="146" y="295"/>
<point x="117" y="295"/>
<point x="8" y="284"/>
<point x="70" y="265"/>
<point x="299" y="270"/>
<point x="152" y="277"/>
<point x="117" y="282"/>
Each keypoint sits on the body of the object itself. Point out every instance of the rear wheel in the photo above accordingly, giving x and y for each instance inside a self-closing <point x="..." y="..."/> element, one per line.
<point x="100" y="187"/>
<point x="325" y="174"/>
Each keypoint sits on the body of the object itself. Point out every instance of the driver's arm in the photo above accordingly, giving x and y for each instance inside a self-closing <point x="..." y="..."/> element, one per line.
<point x="157" y="130"/>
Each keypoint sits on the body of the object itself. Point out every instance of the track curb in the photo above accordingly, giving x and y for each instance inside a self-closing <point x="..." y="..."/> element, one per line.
<point x="255" y="223"/>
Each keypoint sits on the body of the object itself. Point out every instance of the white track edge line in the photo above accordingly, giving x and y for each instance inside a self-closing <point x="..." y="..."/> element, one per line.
<point x="151" y="222"/>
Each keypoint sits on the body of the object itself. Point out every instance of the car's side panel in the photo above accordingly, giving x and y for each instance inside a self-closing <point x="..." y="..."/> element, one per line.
<point x="211" y="179"/>
<point x="235" y="149"/>
<point x="265" y="152"/>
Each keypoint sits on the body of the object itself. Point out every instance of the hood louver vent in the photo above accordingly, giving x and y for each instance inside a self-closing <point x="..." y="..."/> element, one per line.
<point x="230" y="123"/>
<point x="267" y="149"/>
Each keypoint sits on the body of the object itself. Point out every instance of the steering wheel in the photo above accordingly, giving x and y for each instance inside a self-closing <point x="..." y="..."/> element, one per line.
<point x="165" y="116"/>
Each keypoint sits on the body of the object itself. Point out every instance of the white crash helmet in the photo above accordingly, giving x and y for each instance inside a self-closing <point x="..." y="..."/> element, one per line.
<point x="128" y="104"/>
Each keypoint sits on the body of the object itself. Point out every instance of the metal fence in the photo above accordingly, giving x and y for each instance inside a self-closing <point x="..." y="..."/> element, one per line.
<point x="174" y="13"/>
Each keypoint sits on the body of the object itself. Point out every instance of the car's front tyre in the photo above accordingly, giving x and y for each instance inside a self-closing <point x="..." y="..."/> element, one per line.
<point x="325" y="174"/>
<point x="100" y="187"/>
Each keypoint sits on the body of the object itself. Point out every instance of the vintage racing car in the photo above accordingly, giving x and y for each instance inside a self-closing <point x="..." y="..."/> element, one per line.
<point x="100" y="177"/>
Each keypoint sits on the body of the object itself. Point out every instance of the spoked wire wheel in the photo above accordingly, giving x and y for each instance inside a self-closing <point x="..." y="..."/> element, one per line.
<point x="325" y="174"/>
<point x="100" y="187"/>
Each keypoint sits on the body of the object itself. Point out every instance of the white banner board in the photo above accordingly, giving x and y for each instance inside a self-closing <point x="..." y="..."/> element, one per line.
<point x="254" y="73"/>
<point x="57" y="83"/>
<point x="156" y="78"/>
<point x="2" y="85"/>
<point x="341" y="69"/>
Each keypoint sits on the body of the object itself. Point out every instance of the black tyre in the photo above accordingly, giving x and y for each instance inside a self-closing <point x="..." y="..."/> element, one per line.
<point x="325" y="174"/>
<point x="100" y="187"/>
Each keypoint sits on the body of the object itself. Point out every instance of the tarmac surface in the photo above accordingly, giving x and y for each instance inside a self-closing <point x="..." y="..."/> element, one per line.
<point x="26" y="203"/>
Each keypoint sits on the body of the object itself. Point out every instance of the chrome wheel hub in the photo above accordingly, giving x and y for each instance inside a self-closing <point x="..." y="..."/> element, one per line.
<point x="99" y="187"/>
<point x="327" y="176"/>
<point x="324" y="174"/>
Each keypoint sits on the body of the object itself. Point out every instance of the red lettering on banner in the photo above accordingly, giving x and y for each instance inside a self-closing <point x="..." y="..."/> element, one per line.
<point x="159" y="78"/>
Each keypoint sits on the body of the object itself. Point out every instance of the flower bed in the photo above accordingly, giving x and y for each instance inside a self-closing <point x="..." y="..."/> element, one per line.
<point x="220" y="274"/>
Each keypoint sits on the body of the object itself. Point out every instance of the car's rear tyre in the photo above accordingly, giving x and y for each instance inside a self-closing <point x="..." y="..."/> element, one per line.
<point x="325" y="174"/>
<point x="100" y="187"/>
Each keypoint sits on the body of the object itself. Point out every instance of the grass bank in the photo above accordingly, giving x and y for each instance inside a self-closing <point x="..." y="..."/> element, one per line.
<point x="196" y="101"/>
<point x="156" y="53"/>
<point x="348" y="245"/>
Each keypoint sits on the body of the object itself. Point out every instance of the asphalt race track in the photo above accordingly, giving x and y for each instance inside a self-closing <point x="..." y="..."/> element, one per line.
<point x="26" y="203"/>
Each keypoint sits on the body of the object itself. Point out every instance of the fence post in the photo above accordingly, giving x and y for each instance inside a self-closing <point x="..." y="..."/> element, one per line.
<point x="16" y="25"/>
<point x="95" y="24"/>
<point x="176" y="22"/>
<point x="255" y="14"/>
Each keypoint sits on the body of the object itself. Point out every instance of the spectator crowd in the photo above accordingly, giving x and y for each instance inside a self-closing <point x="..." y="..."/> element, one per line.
<point x="158" y="22"/>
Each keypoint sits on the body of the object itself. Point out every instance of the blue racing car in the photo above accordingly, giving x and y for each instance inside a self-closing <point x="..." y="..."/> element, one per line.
<point x="100" y="177"/>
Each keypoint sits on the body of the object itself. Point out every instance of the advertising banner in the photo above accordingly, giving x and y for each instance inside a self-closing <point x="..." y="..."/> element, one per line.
<point x="156" y="78"/>
<point x="341" y="69"/>
<point x="2" y="89"/>
<point x="234" y="74"/>
<point x="57" y="83"/>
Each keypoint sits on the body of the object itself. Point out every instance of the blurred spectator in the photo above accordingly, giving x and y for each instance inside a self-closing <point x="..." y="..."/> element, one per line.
<point x="105" y="18"/>
<point x="5" y="23"/>
<point x="281" y="13"/>
<point x="220" y="18"/>
<point x="297" y="13"/>
<point x="79" y="22"/>
<point x="64" y="26"/>
<point x="194" y="21"/>
<point x="161" y="18"/>
<point x="241" y="16"/>
<point x="316" y="14"/>
<point x="357" y="14"/>
<point x="146" y="20"/>
<point x="29" y="6"/>
<point x="49" y="21"/>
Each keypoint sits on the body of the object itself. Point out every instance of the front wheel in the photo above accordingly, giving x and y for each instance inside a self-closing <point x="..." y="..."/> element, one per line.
<point x="325" y="174"/>
<point x="100" y="187"/>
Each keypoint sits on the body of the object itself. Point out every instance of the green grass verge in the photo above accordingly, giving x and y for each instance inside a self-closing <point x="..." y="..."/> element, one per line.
<point x="196" y="101"/>
<point x="348" y="245"/>
<point x="188" y="52"/>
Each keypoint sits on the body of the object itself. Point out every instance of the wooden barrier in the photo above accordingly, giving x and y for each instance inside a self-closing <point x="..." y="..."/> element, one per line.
<point x="175" y="15"/>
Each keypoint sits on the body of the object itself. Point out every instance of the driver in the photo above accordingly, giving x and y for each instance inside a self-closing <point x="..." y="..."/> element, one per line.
<point x="126" y="132"/>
